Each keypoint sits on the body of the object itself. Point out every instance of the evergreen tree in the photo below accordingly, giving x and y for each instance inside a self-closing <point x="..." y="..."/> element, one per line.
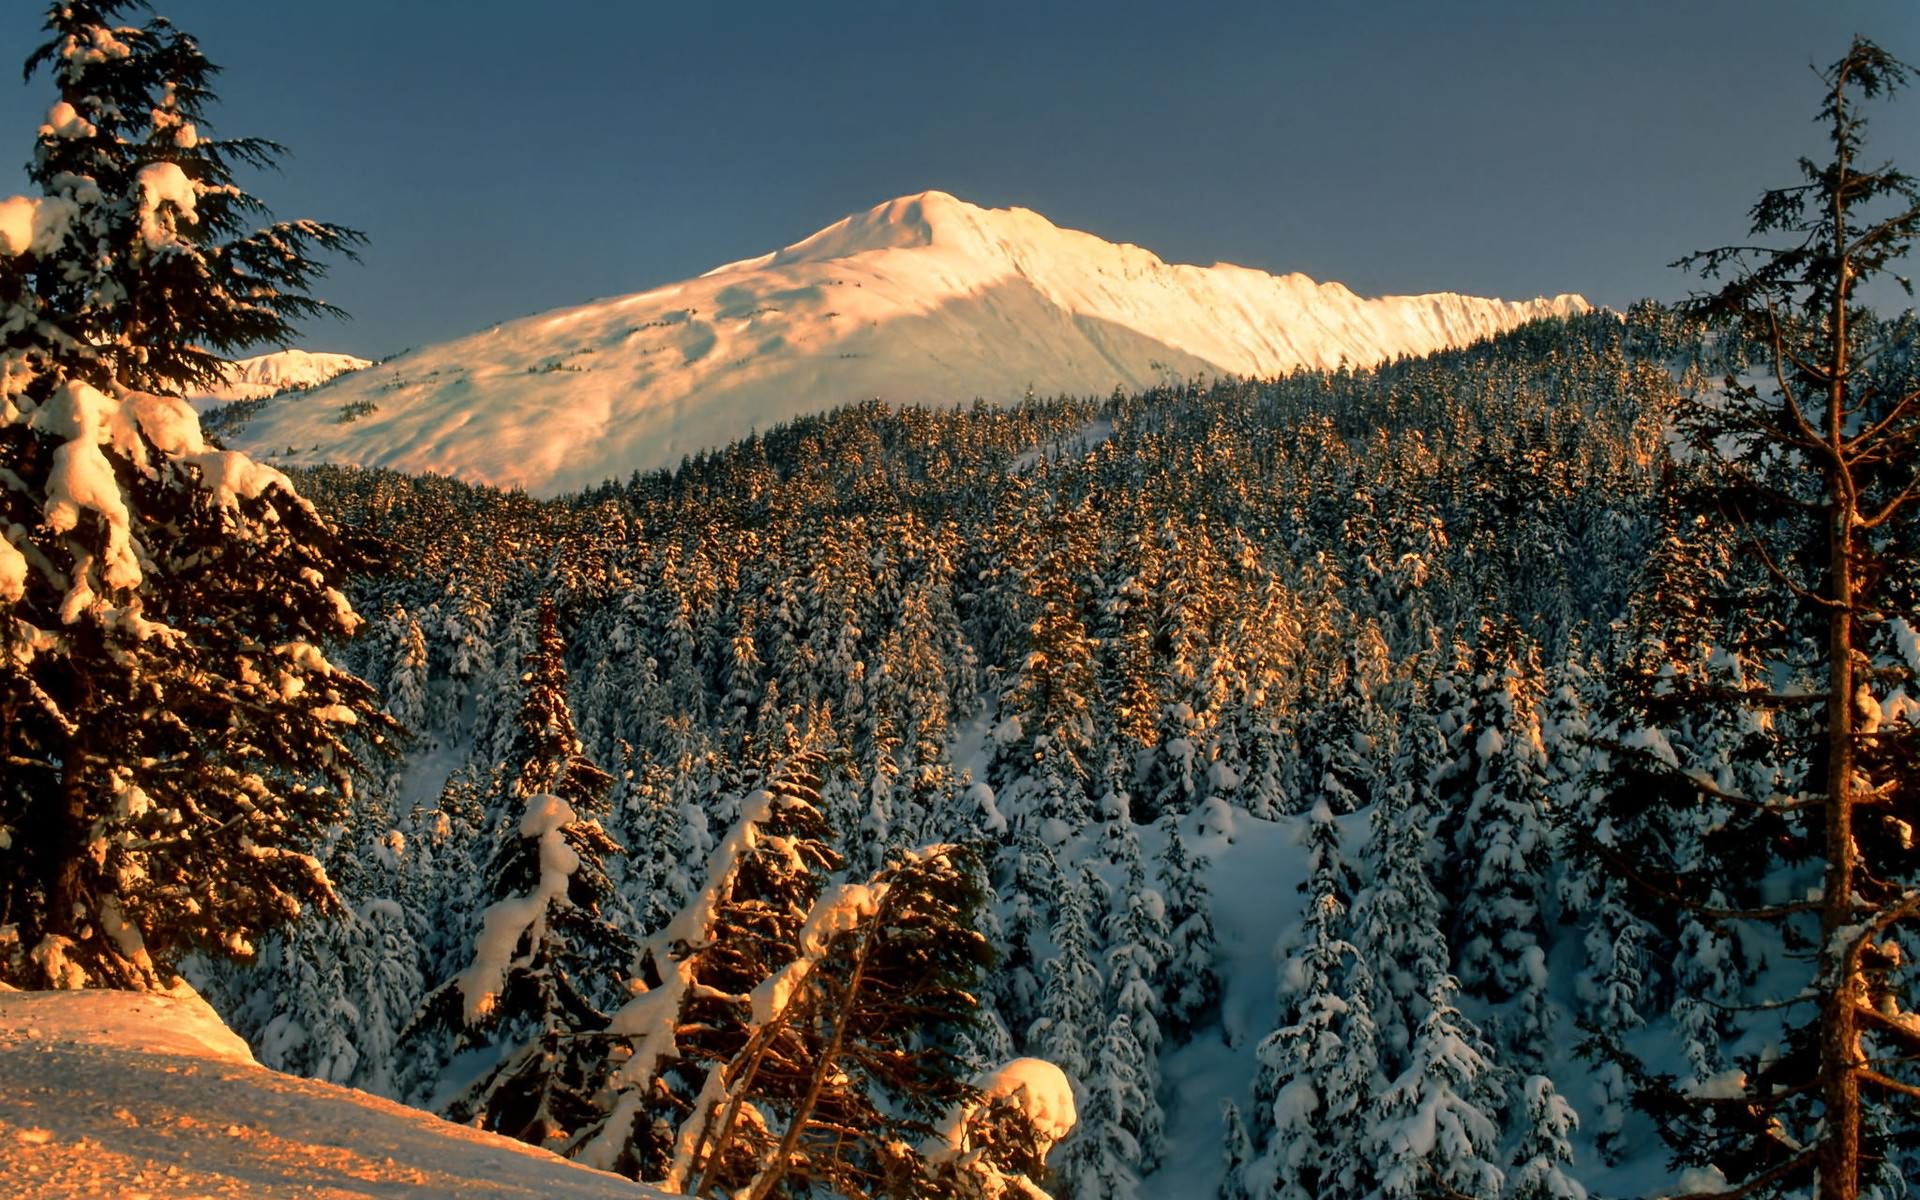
<point x="1541" y="1159"/>
<point x="849" y="1045"/>
<point x="1807" y="470"/>
<point x="1397" y="917"/>
<point x="1032" y="900"/>
<point x="675" y="1043"/>
<point x="1192" y="987"/>
<point x="1104" y="1156"/>
<point x="1319" y="1073"/>
<point x="1434" y="1125"/>
<point x="1070" y="1005"/>
<point x="174" y="737"/>
<point x="548" y="958"/>
<point x="1504" y="835"/>
<point x="1136" y="957"/>
<point x="994" y="1145"/>
<point x="1236" y="1155"/>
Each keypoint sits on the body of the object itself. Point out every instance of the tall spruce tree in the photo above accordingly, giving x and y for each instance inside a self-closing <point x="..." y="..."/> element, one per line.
<point x="172" y="732"/>
<point x="1808" y="466"/>
<point x="548" y="960"/>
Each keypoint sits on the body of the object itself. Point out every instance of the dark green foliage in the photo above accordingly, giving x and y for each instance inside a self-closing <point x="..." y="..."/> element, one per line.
<point x="174" y="741"/>
<point x="145" y="313"/>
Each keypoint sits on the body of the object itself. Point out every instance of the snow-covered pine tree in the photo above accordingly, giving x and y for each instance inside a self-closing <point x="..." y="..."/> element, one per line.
<point x="407" y="679"/>
<point x="1103" y="1158"/>
<point x="1320" y="1071"/>
<point x="1031" y="902"/>
<point x="1396" y="917"/>
<point x="1434" y="1124"/>
<point x="1542" y="1160"/>
<point x="1503" y="832"/>
<point x="1192" y="986"/>
<point x="994" y="1144"/>
<point x="1236" y="1155"/>
<point x="1345" y="733"/>
<point x="548" y="959"/>
<point x="1070" y="1022"/>
<point x="674" y="1043"/>
<point x="301" y="991"/>
<point x="173" y="733"/>
<point x="1137" y="951"/>
<point x="1047" y="705"/>
<point x="850" y="1041"/>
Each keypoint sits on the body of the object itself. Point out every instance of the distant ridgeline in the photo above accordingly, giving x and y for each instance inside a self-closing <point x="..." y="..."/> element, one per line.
<point x="1095" y="643"/>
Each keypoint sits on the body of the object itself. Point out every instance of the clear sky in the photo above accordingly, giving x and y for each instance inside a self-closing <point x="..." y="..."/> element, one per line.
<point x="508" y="156"/>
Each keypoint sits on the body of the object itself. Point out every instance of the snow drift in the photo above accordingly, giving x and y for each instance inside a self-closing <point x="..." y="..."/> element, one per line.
<point x="143" y="1095"/>
<point x="922" y="299"/>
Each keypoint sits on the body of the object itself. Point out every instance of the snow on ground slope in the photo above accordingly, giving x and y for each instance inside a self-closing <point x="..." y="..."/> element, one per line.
<point x="126" y="1095"/>
<point x="267" y="374"/>
<point x="922" y="299"/>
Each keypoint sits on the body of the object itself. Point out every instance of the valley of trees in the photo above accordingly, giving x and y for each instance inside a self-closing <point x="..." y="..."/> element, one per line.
<point x="865" y="809"/>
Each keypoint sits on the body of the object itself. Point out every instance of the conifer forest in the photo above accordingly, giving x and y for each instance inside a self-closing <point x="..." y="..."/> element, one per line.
<point x="1490" y="774"/>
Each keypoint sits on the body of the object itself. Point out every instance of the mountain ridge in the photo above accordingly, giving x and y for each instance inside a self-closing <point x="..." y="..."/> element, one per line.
<point x="923" y="298"/>
<point x="264" y="375"/>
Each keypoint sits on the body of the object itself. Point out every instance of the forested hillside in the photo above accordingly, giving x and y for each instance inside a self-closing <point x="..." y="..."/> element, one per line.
<point x="1397" y="614"/>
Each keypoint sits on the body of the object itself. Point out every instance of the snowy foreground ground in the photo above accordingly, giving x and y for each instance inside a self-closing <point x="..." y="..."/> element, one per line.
<point x="115" y="1094"/>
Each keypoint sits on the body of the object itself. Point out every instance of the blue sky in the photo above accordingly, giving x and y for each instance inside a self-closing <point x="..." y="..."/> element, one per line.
<point x="507" y="157"/>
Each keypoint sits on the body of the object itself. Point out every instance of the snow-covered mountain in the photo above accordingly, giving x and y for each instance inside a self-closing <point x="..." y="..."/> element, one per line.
<point x="265" y="374"/>
<point x="924" y="298"/>
<point x="146" y="1095"/>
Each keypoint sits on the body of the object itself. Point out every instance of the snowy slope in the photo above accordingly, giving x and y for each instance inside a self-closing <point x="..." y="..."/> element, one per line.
<point x="117" y="1094"/>
<point x="265" y="374"/>
<point x="924" y="298"/>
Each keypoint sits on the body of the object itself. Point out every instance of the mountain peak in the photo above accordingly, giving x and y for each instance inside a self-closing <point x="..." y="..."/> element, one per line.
<point x="904" y="223"/>
<point x="923" y="298"/>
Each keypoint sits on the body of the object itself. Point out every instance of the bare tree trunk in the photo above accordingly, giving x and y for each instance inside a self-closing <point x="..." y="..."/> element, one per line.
<point x="1840" y="1055"/>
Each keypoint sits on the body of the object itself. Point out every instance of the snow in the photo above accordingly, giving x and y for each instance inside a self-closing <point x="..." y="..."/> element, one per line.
<point x="266" y="375"/>
<point x="1730" y="1084"/>
<point x="164" y="183"/>
<point x="1907" y="640"/>
<point x="65" y="121"/>
<point x="506" y="921"/>
<point x="146" y="1095"/>
<point x="991" y="817"/>
<point x="31" y="225"/>
<point x="13" y="571"/>
<point x="1700" y="1179"/>
<point x="923" y="299"/>
<point x="82" y="479"/>
<point x="1036" y="1086"/>
<point x="1653" y="742"/>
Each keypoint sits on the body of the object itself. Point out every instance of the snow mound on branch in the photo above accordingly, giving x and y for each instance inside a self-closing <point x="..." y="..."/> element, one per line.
<point x="923" y="299"/>
<point x="505" y="922"/>
<point x="145" y="1095"/>
<point x="839" y="910"/>
<point x="1038" y="1088"/>
<point x="34" y="225"/>
<point x="266" y="375"/>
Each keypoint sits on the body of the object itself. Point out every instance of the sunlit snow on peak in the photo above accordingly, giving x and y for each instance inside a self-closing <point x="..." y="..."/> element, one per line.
<point x="925" y="298"/>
